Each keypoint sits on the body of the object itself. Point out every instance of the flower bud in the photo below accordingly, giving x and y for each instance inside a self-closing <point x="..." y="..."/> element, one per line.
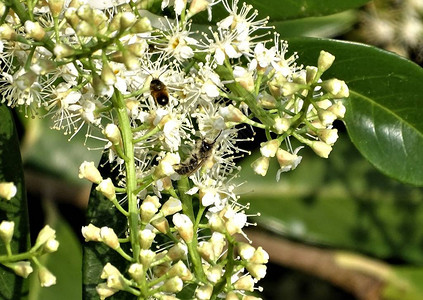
<point x="109" y="237"/>
<point x="7" y="32"/>
<point x="321" y="148"/>
<point x="204" y="292"/>
<point x="127" y="20"/>
<point x="72" y="17"/>
<point x="51" y="246"/>
<point x="107" y="188"/>
<point x="130" y="61"/>
<point x="2" y="8"/>
<point x="107" y="75"/>
<point x="171" y="206"/>
<point x="244" y="78"/>
<point x="165" y="166"/>
<point x="326" y="117"/>
<point x="172" y="285"/>
<point x="216" y="223"/>
<point x="84" y="28"/>
<point x="267" y="101"/>
<point x="258" y="271"/>
<point x="34" y="30"/>
<point x="180" y="269"/>
<point x="184" y="226"/>
<point x="147" y="211"/>
<point x="85" y="12"/>
<point x="56" y="7"/>
<point x="261" y="165"/>
<point x="142" y="25"/>
<point x="337" y="88"/>
<point x="198" y="6"/>
<point x="214" y="274"/>
<point x="249" y="297"/>
<point x="177" y="252"/>
<point x="112" y="133"/>
<point x="310" y="74"/>
<point x="147" y="257"/>
<point x="138" y="49"/>
<point x="21" y="268"/>
<point x="281" y="125"/>
<point x="45" y="235"/>
<point x="269" y="148"/>
<point x="232" y="114"/>
<point x="218" y="241"/>
<point x="325" y="61"/>
<point x="245" y="283"/>
<point x="329" y="136"/>
<point x="63" y="50"/>
<point x="260" y="256"/>
<point x="136" y="271"/>
<point x="91" y="233"/>
<point x="290" y="88"/>
<point x="338" y="109"/>
<point x="206" y="251"/>
<point x="104" y="291"/>
<point x="161" y="224"/>
<point x="46" y="277"/>
<point x="246" y="251"/>
<point x="26" y="80"/>
<point x="6" y="231"/>
<point x="231" y="296"/>
<point x="109" y="270"/>
<point x="287" y="161"/>
<point x="8" y="190"/>
<point x="146" y="238"/>
<point x="89" y="171"/>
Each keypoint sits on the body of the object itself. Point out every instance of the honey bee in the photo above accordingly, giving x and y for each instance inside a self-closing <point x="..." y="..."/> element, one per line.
<point x="199" y="156"/>
<point x="159" y="92"/>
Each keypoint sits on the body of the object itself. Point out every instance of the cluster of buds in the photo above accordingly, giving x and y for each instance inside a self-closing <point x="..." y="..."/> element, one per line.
<point x="21" y="263"/>
<point x="307" y="109"/>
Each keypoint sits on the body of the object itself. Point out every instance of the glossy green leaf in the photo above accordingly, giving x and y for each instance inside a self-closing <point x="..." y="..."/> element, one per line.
<point x="327" y="26"/>
<point x="384" y="116"/>
<point x="287" y="10"/>
<point x="15" y="209"/>
<point x="52" y="153"/>
<point x="101" y="213"/>
<point x="342" y="202"/>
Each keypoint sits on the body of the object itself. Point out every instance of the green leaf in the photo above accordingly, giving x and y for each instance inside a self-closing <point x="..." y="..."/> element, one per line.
<point x="51" y="152"/>
<point x="286" y="10"/>
<point x="327" y="26"/>
<point x="384" y="116"/>
<point x="341" y="202"/>
<point x="15" y="209"/>
<point x="101" y="213"/>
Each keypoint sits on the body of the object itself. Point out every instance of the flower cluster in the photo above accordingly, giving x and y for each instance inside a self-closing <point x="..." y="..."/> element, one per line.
<point x="21" y="263"/>
<point x="169" y="105"/>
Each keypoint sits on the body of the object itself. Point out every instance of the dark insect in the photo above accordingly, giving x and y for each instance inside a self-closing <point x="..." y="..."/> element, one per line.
<point x="199" y="156"/>
<point x="159" y="92"/>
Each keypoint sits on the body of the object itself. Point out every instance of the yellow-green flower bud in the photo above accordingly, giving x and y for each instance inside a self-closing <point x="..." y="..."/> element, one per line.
<point x="91" y="233"/>
<point x="112" y="133"/>
<point x="104" y="291"/>
<point x="44" y="235"/>
<point x="85" y="12"/>
<point x="269" y="148"/>
<point x="62" y="50"/>
<point x="90" y="172"/>
<point x="246" y="251"/>
<point x="171" y="206"/>
<point x="8" y="190"/>
<point x="142" y="25"/>
<point x="107" y="188"/>
<point x="136" y="271"/>
<point x="146" y="238"/>
<point x="204" y="292"/>
<point x="56" y="7"/>
<point x="21" y="268"/>
<point x="46" y="277"/>
<point x="172" y="285"/>
<point x="321" y="148"/>
<point x="245" y="283"/>
<point x="7" y="32"/>
<point x="184" y="226"/>
<point x="34" y="30"/>
<point x="6" y="231"/>
<point x="109" y="237"/>
<point x="258" y="271"/>
<point x="261" y="165"/>
<point x="127" y="20"/>
<point x="325" y="61"/>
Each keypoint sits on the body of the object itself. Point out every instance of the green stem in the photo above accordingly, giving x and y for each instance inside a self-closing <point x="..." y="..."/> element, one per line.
<point x="131" y="181"/>
<point x="187" y="209"/>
